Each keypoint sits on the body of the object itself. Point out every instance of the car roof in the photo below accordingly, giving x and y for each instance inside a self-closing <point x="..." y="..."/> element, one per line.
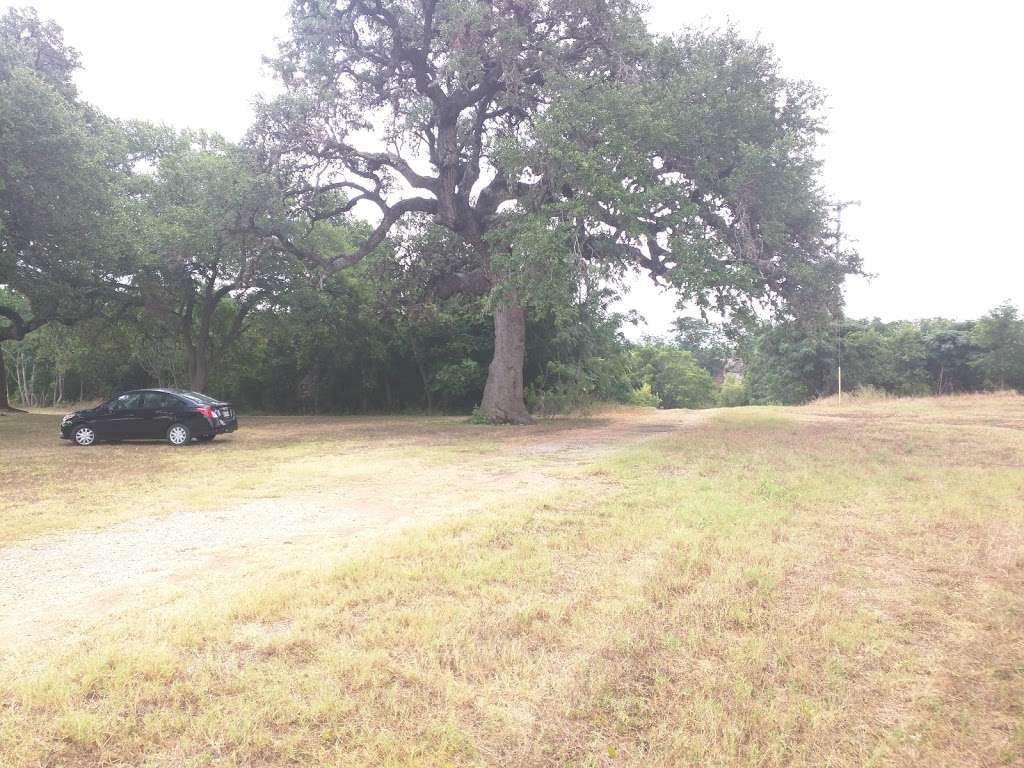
<point x="149" y="389"/>
<point x="166" y="390"/>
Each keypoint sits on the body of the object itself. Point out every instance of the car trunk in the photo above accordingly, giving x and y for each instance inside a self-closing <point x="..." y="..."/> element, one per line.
<point x="224" y="415"/>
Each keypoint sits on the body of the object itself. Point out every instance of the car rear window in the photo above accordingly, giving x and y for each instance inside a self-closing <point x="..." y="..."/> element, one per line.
<point x="198" y="397"/>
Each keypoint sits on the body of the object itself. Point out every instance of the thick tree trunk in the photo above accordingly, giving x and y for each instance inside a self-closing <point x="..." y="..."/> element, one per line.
<point x="503" y="401"/>
<point x="199" y="368"/>
<point x="5" y="403"/>
<point x="427" y="393"/>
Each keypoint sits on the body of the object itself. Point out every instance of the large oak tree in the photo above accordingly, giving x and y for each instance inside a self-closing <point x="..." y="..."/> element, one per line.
<point x="542" y="131"/>
<point x="402" y="106"/>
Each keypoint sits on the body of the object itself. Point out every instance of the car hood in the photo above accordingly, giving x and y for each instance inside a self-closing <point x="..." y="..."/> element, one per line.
<point x="85" y="413"/>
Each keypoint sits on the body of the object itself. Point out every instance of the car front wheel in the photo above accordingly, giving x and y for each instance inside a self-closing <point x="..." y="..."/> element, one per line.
<point x="85" y="436"/>
<point x="178" y="434"/>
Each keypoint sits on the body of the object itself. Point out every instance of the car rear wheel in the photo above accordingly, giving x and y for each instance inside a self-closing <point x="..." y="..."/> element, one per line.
<point x="85" y="436"/>
<point x="178" y="434"/>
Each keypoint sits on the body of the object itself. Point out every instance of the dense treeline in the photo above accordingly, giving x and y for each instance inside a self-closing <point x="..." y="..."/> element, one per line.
<point x="792" y="363"/>
<point x="527" y="162"/>
<point x="347" y="349"/>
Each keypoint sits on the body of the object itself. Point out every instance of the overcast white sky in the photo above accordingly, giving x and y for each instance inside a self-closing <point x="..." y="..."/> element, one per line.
<point x="924" y="117"/>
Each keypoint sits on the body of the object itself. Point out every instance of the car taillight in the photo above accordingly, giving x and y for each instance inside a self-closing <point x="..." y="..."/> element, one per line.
<point x="206" y="410"/>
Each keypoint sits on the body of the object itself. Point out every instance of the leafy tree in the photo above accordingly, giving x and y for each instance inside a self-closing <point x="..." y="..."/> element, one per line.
<point x="891" y="357"/>
<point x="30" y="44"/>
<point x="437" y="324"/>
<point x="950" y="351"/>
<point x="206" y="271"/>
<point x="644" y="396"/>
<point x="707" y="342"/>
<point x="63" y="227"/>
<point x="909" y="373"/>
<point x="791" y="363"/>
<point x="733" y="392"/>
<point x="673" y="376"/>
<point x="866" y="356"/>
<point x="1000" y="335"/>
<point x="577" y="355"/>
<point x="546" y="133"/>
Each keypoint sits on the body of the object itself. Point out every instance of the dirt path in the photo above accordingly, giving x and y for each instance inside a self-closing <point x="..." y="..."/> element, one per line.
<point x="56" y="586"/>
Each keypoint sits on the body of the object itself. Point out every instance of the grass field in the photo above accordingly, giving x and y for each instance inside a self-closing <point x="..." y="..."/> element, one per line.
<point x="819" y="586"/>
<point x="55" y="485"/>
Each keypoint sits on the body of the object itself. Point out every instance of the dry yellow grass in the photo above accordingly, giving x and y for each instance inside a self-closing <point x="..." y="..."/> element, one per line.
<point x="47" y="484"/>
<point x="815" y="587"/>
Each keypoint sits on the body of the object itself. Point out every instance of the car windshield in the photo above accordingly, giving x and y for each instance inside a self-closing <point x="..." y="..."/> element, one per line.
<point x="197" y="397"/>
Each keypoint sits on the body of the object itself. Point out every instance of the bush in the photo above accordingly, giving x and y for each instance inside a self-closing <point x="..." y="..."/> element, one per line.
<point x="455" y="381"/>
<point x="643" y="396"/>
<point x="673" y="375"/>
<point x="733" y="392"/>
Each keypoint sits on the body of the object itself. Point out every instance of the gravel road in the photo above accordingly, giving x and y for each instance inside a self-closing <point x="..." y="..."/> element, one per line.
<point x="56" y="585"/>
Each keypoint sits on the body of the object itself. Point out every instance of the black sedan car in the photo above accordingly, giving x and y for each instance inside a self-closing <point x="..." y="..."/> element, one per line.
<point x="174" y="415"/>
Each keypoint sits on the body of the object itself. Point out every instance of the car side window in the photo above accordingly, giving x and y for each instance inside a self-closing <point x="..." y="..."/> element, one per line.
<point x="153" y="401"/>
<point x="161" y="401"/>
<point x="168" y="402"/>
<point x="128" y="401"/>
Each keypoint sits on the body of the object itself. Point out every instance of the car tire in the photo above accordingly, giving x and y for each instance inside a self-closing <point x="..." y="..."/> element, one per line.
<point x="84" y="436"/>
<point x="178" y="434"/>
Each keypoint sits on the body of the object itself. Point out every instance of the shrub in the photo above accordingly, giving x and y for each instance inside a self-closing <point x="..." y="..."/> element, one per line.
<point x="733" y="392"/>
<point x="643" y="395"/>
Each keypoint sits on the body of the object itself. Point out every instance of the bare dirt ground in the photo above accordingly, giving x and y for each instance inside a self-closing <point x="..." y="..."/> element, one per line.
<point x="55" y="586"/>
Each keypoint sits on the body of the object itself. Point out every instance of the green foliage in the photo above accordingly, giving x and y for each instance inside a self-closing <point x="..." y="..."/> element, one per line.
<point x="65" y="220"/>
<point x="891" y="357"/>
<point x="644" y="396"/>
<point x="720" y="155"/>
<point x="546" y="174"/>
<point x="708" y="343"/>
<point x="454" y="382"/>
<point x="1000" y="336"/>
<point x="793" y="363"/>
<point x="673" y="376"/>
<point x="577" y="354"/>
<point x="950" y="350"/>
<point x="205" y="270"/>
<point x="790" y="363"/>
<point x="733" y="392"/>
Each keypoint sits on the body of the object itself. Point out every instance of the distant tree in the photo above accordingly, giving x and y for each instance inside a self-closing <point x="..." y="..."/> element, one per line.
<point x="791" y="363"/>
<point x="888" y="356"/>
<point x="707" y="342"/>
<point x="206" y="270"/>
<point x="673" y="376"/>
<point x="907" y="351"/>
<point x="1000" y="337"/>
<point x="867" y="359"/>
<point x="733" y="392"/>
<point x="950" y="352"/>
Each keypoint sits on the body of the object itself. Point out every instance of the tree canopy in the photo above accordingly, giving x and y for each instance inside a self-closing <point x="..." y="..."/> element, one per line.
<point x="436" y="211"/>
<point x="63" y="218"/>
<point x="546" y="133"/>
